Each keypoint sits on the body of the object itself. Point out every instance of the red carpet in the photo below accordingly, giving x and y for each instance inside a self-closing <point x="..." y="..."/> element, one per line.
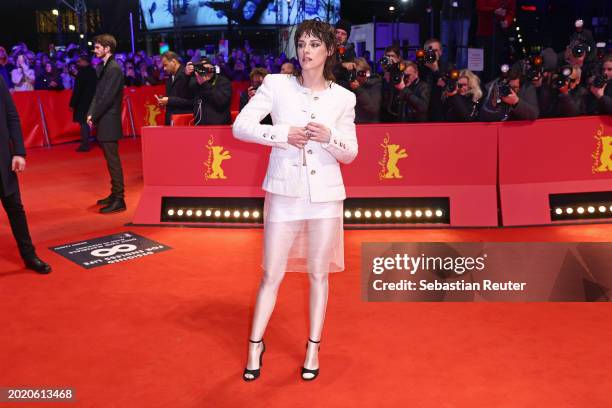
<point x="170" y="330"/>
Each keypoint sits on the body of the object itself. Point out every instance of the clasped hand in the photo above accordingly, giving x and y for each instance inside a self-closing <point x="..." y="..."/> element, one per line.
<point x="299" y="136"/>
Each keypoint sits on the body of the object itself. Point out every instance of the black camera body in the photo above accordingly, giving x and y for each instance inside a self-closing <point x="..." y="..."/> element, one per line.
<point x="579" y="49"/>
<point x="450" y="78"/>
<point x="599" y="81"/>
<point x="350" y="75"/>
<point x="428" y="56"/>
<point x="562" y="77"/>
<point x="395" y="70"/>
<point x="504" y="89"/>
<point x="533" y="67"/>
<point x="202" y="69"/>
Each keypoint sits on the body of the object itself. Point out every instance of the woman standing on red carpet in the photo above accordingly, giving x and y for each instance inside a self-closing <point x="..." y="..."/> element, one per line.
<point x="313" y="132"/>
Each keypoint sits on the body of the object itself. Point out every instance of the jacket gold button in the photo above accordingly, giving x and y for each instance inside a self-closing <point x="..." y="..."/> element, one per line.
<point x="272" y="137"/>
<point x="312" y="172"/>
<point x="313" y="116"/>
<point x="265" y="135"/>
<point x="316" y="98"/>
<point x="309" y="151"/>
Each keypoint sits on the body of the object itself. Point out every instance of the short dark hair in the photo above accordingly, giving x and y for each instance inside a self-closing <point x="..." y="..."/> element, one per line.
<point x="106" y="40"/>
<point x="607" y="58"/>
<point x="327" y="34"/>
<point x="394" y="48"/>
<point x="431" y="41"/>
<point x="171" y="55"/>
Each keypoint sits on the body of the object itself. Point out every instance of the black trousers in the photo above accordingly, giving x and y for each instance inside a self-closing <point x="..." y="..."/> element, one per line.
<point x="85" y="133"/>
<point x="113" y="161"/>
<point x="18" y="221"/>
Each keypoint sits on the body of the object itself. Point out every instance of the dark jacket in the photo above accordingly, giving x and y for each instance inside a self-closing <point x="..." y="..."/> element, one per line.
<point x="572" y="103"/>
<point x="11" y="140"/>
<point x="180" y="95"/>
<point x="435" y="109"/>
<point x="526" y="109"/>
<point x="45" y="79"/>
<point x="105" y="109"/>
<point x="415" y="101"/>
<point x="367" y="109"/>
<point x="460" y="108"/>
<point x="83" y="93"/>
<point x="601" y="106"/>
<point x="212" y="101"/>
<point x="244" y="99"/>
<point x="463" y="11"/>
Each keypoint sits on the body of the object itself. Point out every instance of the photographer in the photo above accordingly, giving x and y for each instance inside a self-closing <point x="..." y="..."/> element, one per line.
<point x="368" y="90"/>
<point x="256" y="77"/>
<point x="432" y="71"/>
<point x="461" y="99"/>
<point x="599" y="98"/>
<point x="213" y="94"/>
<point x="570" y="95"/>
<point x="345" y="54"/>
<point x="393" y="68"/>
<point x="414" y="95"/>
<point x="509" y="97"/>
<point x="179" y="95"/>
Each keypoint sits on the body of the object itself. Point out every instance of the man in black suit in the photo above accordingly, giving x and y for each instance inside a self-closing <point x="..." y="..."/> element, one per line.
<point x="12" y="161"/>
<point x="82" y="95"/>
<point x="105" y="113"/>
<point x="179" y="96"/>
<point x="213" y="94"/>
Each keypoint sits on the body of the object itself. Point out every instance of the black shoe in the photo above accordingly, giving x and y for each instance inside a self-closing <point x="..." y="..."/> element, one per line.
<point x="255" y="373"/>
<point x="309" y="371"/>
<point x="82" y="149"/>
<point x="105" y="200"/>
<point x="36" y="264"/>
<point x="117" y="205"/>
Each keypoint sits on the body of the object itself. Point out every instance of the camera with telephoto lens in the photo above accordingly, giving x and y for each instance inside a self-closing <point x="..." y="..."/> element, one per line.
<point x="533" y="67"/>
<point x="503" y="85"/>
<point x="395" y="70"/>
<point x="579" y="49"/>
<point x="562" y="78"/>
<point x="599" y="81"/>
<point x="349" y="75"/>
<point x="204" y="68"/>
<point x="450" y="79"/>
<point x="428" y="56"/>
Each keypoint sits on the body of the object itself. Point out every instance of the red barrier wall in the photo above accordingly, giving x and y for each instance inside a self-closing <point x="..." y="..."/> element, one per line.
<point x="28" y="107"/>
<point x="551" y="156"/>
<point x="394" y="161"/>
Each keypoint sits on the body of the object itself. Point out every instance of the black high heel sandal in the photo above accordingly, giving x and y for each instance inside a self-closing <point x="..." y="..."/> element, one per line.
<point x="255" y="373"/>
<point x="309" y="371"/>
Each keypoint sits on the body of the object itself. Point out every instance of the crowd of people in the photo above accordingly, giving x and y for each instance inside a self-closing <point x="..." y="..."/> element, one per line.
<point x="572" y="82"/>
<point x="26" y="70"/>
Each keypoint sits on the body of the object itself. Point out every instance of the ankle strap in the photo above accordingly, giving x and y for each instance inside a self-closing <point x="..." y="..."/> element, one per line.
<point x="312" y="341"/>
<point x="255" y="341"/>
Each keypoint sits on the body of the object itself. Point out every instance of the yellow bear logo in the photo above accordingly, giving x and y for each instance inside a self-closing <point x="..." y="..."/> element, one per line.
<point x="216" y="156"/>
<point x="603" y="152"/>
<point x="392" y="154"/>
<point x="151" y="114"/>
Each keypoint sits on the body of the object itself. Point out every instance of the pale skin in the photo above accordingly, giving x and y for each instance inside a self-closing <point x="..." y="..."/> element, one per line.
<point x="312" y="54"/>
<point x="104" y="53"/>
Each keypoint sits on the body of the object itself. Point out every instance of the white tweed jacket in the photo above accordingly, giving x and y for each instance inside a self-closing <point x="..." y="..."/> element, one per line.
<point x="291" y="104"/>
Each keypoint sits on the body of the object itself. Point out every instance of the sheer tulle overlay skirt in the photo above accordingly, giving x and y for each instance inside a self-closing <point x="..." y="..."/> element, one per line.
<point x="301" y="235"/>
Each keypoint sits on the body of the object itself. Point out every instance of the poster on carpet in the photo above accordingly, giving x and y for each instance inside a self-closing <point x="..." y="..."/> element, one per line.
<point x="110" y="249"/>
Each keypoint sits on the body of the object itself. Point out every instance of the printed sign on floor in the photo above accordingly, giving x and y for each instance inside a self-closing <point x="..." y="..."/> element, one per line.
<point x="110" y="249"/>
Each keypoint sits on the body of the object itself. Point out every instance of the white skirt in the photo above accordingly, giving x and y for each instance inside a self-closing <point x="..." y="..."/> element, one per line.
<point x="302" y="236"/>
